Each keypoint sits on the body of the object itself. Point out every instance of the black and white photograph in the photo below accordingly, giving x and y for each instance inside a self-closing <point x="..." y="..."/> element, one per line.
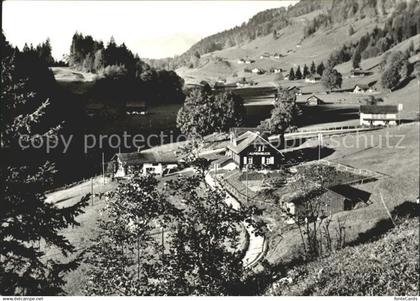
<point x="209" y="148"/>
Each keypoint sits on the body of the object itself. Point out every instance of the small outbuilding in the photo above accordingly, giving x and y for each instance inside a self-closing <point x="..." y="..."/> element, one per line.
<point x="314" y="100"/>
<point x="313" y="78"/>
<point x="135" y="107"/>
<point x="295" y="90"/>
<point x="363" y="88"/>
<point x="257" y="71"/>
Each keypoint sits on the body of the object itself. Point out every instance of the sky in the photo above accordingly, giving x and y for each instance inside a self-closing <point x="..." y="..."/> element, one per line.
<point x="153" y="29"/>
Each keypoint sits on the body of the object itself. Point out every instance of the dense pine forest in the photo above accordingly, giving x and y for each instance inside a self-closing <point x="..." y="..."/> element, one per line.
<point x="120" y="69"/>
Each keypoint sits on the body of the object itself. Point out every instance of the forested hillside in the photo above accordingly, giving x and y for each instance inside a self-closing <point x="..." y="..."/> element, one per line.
<point x="262" y="24"/>
<point x="271" y="21"/>
<point x="121" y="70"/>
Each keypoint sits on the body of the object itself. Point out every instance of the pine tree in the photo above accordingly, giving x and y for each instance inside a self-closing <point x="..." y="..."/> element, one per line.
<point x="291" y="74"/>
<point x="313" y="68"/>
<point x="320" y="69"/>
<point x="356" y="59"/>
<point x="27" y="220"/>
<point x="298" y="74"/>
<point x="305" y="71"/>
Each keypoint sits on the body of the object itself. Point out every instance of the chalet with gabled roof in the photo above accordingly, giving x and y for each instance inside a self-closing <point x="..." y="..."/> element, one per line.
<point x="252" y="150"/>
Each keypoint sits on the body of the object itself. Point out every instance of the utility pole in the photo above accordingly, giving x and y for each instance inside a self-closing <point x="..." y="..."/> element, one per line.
<point x="162" y="230"/>
<point x="91" y="188"/>
<point x="319" y="145"/>
<point x="138" y="257"/>
<point x="246" y="185"/>
<point x="103" y="167"/>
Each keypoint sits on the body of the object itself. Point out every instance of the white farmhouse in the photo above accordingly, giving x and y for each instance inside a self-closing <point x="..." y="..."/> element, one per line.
<point x="147" y="161"/>
<point x="375" y="115"/>
<point x="363" y="88"/>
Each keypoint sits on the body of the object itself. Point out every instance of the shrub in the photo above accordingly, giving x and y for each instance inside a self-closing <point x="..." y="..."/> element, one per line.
<point x="388" y="266"/>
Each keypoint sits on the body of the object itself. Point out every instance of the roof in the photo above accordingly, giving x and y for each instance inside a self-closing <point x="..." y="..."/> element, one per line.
<point x="351" y="192"/>
<point x="95" y="106"/>
<point x="359" y="71"/>
<point x="222" y="161"/>
<point x="292" y="88"/>
<point x="362" y="86"/>
<point x="312" y="191"/>
<point x="237" y="131"/>
<point x="135" y="104"/>
<point x="314" y="76"/>
<point x="246" y="139"/>
<point x="147" y="156"/>
<point x="375" y="109"/>
<point x="316" y="97"/>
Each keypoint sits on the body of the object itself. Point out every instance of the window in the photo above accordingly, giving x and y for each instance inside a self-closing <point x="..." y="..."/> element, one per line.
<point x="270" y="160"/>
<point x="250" y="160"/>
<point x="245" y="160"/>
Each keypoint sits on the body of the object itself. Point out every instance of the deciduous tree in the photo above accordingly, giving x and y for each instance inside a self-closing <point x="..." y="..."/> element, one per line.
<point x="331" y="78"/>
<point x="205" y="113"/>
<point x="283" y="115"/>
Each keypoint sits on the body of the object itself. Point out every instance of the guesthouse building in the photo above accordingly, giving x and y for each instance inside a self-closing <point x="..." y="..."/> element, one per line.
<point x="251" y="150"/>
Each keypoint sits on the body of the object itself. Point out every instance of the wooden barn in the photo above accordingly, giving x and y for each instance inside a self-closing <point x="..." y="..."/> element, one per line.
<point x="376" y="115"/>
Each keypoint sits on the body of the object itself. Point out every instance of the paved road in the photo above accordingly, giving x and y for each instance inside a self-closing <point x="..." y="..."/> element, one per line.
<point x="256" y="243"/>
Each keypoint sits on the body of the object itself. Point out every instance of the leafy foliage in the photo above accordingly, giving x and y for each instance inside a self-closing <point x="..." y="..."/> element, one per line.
<point x="283" y="115"/>
<point x="199" y="256"/>
<point x="331" y="78"/>
<point x="204" y="113"/>
<point x="396" y="68"/>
